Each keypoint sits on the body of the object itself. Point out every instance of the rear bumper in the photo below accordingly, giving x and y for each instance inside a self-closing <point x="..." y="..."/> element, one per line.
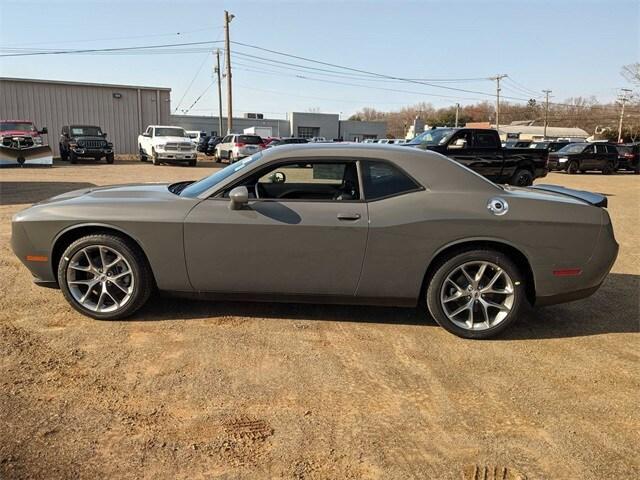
<point x="552" y="289"/>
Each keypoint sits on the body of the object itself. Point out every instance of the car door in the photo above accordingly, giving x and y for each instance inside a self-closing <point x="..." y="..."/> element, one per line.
<point x="462" y="152"/>
<point x="488" y="154"/>
<point x="225" y="146"/>
<point x="601" y="157"/>
<point x="293" y="245"/>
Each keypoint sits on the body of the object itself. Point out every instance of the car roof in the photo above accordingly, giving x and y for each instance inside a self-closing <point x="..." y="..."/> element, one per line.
<point x="432" y="170"/>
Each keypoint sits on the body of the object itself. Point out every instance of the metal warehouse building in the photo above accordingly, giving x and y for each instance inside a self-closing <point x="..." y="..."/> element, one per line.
<point x="124" y="111"/>
<point x="121" y="110"/>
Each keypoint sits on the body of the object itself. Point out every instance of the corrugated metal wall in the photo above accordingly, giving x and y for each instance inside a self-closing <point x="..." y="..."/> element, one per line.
<point x="53" y="105"/>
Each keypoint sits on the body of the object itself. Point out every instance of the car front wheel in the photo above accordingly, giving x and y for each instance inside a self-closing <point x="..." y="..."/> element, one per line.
<point x="573" y="167"/>
<point x="476" y="294"/>
<point x="104" y="276"/>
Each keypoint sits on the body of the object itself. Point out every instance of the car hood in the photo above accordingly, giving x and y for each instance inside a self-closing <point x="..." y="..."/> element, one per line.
<point x="159" y="191"/>
<point x="88" y="137"/>
<point x="18" y="133"/>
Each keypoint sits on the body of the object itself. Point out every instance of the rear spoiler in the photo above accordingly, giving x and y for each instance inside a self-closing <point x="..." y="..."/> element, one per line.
<point x="591" y="198"/>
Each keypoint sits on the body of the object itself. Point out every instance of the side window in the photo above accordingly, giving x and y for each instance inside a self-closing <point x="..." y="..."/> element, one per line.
<point x="589" y="149"/>
<point x="612" y="149"/>
<point x="486" y="140"/>
<point x="332" y="180"/>
<point x="601" y="148"/>
<point x="381" y="179"/>
<point x="461" y="140"/>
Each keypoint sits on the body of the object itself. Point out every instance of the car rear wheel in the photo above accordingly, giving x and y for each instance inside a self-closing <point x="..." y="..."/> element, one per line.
<point x="104" y="276"/>
<point x="476" y="294"/>
<point x="522" y="178"/>
<point x="573" y="167"/>
<point x="609" y="168"/>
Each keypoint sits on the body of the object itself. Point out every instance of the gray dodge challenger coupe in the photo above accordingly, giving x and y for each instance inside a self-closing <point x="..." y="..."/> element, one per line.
<point x="334" y="223"/>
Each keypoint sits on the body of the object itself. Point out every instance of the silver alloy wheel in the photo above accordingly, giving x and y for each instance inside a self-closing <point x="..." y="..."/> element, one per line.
<point x="100" y="278"/>
<point x="477" y="295"/>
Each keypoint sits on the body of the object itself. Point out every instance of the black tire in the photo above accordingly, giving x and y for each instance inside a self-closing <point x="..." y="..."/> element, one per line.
<point x="109" y="158"/>
<point x="73" y="158"/>
<point x="154" y="157"/>
<point x="522" y="178"/>
<point x="448" y="265"/>
<point x="573" y="167"/>
<point x="143" y="283"/>
<point x="64" y="156"/>
<point x="609" y="168"/>
<point x="193" y="163"/>
<point x="143" y="157"/>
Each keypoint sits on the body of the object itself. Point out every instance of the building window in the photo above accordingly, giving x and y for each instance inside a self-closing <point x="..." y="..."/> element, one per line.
<point x="366" y="136"/>
<point x="308" y="132"/>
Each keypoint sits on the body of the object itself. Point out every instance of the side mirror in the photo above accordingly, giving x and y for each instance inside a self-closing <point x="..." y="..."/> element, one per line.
<point x="458" y="144"/>
<point x="66" y="135"/>
<point x="278" y="177"/>
<point x="104" y="134"/>
<point x="44" y="131"/>
<point x="239" y="197"/>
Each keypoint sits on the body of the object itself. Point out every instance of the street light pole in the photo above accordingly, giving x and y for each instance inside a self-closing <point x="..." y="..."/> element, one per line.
<point x="219" y="93"/>
<point x="497" y="78"/>
<point x="546" y="111"/>
<point x="457" y="111"/>
<point x="227" y="19"/>
<point x="623" y="99"/>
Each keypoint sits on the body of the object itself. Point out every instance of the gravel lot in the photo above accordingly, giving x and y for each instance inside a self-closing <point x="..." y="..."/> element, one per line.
<point x="240" y="390"/>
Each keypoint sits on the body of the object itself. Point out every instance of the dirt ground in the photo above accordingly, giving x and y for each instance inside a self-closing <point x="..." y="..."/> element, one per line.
<point x="190" y="389"/>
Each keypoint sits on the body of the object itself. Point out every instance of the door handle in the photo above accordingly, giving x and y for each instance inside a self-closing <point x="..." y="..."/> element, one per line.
<point x="348" y="216"/>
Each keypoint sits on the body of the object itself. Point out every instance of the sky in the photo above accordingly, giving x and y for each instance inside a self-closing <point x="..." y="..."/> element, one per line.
<point x="574" y="48"/>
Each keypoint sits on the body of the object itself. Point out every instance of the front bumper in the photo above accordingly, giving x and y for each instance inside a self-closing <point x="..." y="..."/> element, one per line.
<point x="91" y="152"/>
<point x="176" y="156"/>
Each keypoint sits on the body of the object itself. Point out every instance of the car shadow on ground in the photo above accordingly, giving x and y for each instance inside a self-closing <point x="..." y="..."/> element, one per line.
<point x="615" y="308"/>
<point x="17" y="193"/>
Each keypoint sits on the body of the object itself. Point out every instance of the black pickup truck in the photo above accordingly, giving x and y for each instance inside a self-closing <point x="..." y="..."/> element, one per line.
<point x="481" y="151"/>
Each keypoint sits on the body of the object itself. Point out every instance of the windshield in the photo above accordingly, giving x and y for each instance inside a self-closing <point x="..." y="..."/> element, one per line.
<point x="573" y="148"/>
<point x="539" y="146"/>
<point x="250" y="139"/>
<point x="437" y="136"/>
<point x="20" y="126"/>
<point x="170" y="132"/>
<point x="86" y="131"/>
<point x="206" y="183"/>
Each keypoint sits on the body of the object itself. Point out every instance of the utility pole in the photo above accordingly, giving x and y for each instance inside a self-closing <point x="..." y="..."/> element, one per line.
<point x="497" y="78"/>
<point x="457" y="111"/>
<point x="227" y="19"/>
<point x="546" y="111"/>
<point x="219" y="92"/>
<point x="623" y="99"/>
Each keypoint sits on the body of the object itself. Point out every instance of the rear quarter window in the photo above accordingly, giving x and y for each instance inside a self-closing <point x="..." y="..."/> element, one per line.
<point x="382" y="179"/>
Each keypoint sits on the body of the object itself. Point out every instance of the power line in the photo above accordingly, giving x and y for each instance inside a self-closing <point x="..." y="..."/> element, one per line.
<point x="130" y="37"/>
<point x="113" y="49"/>
<point x="191" y="83"/>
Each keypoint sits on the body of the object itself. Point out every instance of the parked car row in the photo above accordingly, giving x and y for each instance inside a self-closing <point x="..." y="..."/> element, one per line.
<point x="604" y="157"/>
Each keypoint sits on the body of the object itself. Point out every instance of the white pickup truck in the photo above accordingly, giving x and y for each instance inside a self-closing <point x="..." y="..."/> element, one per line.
<point x="164" y="144"/>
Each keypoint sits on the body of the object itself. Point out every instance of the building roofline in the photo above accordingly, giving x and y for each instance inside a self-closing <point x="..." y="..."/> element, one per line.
<point x="85" y="84"/>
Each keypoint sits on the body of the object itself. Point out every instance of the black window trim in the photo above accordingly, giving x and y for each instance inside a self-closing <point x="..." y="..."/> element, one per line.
<point x="216" y="195"/>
